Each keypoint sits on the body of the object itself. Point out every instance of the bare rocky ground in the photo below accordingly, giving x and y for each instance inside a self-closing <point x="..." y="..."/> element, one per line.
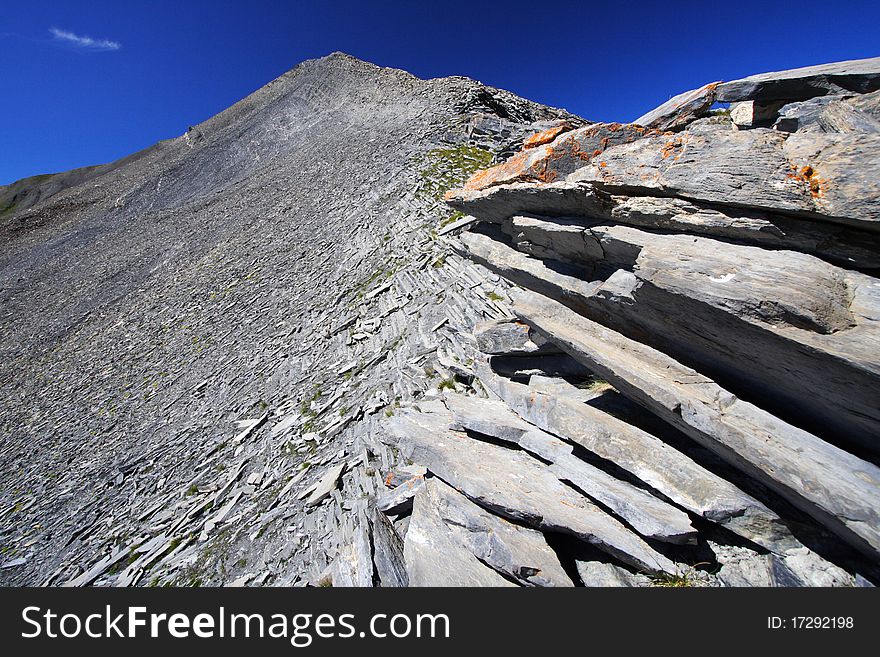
<point x="267" y="353"/>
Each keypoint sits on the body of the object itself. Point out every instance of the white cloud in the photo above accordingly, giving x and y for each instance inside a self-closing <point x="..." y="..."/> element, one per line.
<point x="83" y="42"/>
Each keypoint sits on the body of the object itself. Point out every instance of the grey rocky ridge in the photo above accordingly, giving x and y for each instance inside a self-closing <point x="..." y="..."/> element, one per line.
<point x="362" y="329"/>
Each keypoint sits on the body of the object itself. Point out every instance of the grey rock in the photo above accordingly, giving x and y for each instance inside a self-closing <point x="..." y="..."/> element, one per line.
<point x="599" y="574"/>
<point x="743" y="567"/>
<point x="499" y="337"/>
<point x="353" y="566"/>
<point x="561" y="239"/>
<point x="779" y="323"/>
<point x="838" y="244"/>
<point x="867" y="104"/>
<point x="751" y="114"/>
<point x="811" y="324"/>
<point x="322" y="488"/>
<point x="646" y="514"/>
<point x="518" y="487"/>
<point x="839" y="490"/>
<point x="582" y="205"/>
<point x="551" y="385"/>
<point x="826" y="114"/>
<point x="858" y="75"/>
<point x="556" y="280"/>
<point x="517" y="552"/>
<point x="648" y="458"/>
<point x="680" y="110"/>
<point x="499" y="202"/>
<point x="434" y="557"/>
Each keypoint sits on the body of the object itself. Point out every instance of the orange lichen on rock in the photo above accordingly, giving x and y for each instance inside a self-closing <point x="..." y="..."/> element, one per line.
<point x="553" y="161"/>
<point x="545" y="136"/>
<point x="672" y="148"/>
<point x="810" y="178"/>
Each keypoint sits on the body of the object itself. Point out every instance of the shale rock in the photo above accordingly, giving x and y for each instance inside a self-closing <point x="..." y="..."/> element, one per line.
<point x="516" y="552"/>
<point x="822" y="175"/>
<point x="514" y="485"/>
<point x="680" y="110"/>
<point x="839" y="490"/>
<point x="857" y="75"/>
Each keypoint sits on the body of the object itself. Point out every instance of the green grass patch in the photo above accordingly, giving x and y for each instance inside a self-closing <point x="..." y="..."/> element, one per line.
<point x="449" y="168"/>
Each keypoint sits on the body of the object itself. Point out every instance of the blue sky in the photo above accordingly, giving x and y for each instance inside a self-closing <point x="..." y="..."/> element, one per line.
<point x="89" y="82"/>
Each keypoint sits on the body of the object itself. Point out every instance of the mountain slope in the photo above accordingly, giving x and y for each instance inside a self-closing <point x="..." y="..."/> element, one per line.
<point x="199" y="284"/>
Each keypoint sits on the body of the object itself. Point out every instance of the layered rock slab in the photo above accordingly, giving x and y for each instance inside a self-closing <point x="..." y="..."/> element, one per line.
<point x="780" y="323"/>
<point x="649" y="516"/>
<point x="517" y="553"/>
<point x="857" y="75"/>
<point x="839" y="490"/>
<point x="665" y="469"/>
<point x="515" y="486"/>
<point x="831" y="176"/>
<point x="584" y="203"/>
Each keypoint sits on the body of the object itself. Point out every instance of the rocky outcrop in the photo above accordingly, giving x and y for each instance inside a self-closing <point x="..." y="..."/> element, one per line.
<point x="760" y="96"/>
<point x="714" y="278"/>
<point x="858" y="75"/>
<point x="680" y="110"/>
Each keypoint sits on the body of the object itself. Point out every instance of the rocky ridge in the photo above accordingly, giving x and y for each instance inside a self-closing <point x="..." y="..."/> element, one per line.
<point x="635" y="354"/>
<point x="727" y="352"/>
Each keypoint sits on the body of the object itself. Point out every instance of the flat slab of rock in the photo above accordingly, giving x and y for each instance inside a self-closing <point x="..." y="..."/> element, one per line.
<point x="497" y="203"/>
<point x="857" y="75"/>
<point x="649" y="516"/>
<point x="584" y="205"/>
<point x="842" y="245"/>
<point x="841" y="114"/>
<point x="680" y="110"/>
<point x="322" y="488"/>
<point x="839" y="490"/>
<point x="648" y="458"/>
<point x="781" y="323"/>
<point x="459" y="224"/>
<point x="599" y="574"/>
<point x="514" y="551"/>
<point x="530" y="272"/>
<point x="514" y="485"/>
<point x="434" y="557"/>
<point x="832" y="176"/>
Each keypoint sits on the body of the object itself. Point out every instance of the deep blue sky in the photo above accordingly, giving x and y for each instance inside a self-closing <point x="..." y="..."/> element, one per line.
<point x="64" y="105"/>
